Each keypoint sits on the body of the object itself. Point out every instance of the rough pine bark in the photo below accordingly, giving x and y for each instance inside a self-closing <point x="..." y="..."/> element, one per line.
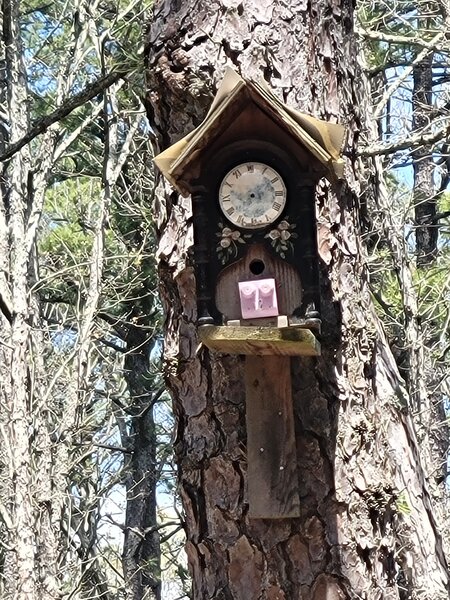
<point x="366" y="528"/>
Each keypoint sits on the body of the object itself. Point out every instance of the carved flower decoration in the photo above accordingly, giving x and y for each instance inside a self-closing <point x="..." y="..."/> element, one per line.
<point x="227" y="246"/>
<point x="281" y="237"/>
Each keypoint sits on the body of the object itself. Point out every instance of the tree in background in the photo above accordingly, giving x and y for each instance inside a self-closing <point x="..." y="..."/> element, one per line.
<point x="406" y="50"/>
<point x="78" y="308"/>
<point x="367" y="528"/>
<point x="79" y="315"/>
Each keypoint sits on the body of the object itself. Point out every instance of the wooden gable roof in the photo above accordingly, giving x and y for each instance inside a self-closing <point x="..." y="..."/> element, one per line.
<point x="323" y="140"/>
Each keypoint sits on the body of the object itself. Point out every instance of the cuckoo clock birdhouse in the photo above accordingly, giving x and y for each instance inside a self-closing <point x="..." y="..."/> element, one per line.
<point x="251" y="169"/>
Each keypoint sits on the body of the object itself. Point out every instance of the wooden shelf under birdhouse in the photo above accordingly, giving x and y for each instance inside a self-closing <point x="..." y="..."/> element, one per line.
<point x="260" y="341"/>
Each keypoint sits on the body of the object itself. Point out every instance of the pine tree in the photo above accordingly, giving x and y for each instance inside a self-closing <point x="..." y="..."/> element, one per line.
<point x="366" y="528"/>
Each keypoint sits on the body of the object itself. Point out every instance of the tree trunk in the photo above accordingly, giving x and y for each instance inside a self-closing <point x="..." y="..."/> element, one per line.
<point x="366" y="528"/>
<point x="423" y="164"/>
<point x="15" y="435"/>
<point x="141" y="551"/>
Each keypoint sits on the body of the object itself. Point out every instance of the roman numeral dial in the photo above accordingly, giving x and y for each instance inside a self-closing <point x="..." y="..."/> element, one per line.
<point x="252" y="195"/>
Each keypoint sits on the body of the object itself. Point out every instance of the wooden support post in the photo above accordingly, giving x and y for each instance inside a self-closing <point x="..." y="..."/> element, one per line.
<point x="271" y="449"/>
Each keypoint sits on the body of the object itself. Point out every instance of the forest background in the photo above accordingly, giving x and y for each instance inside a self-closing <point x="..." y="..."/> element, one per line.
<point x="88" y="502"/>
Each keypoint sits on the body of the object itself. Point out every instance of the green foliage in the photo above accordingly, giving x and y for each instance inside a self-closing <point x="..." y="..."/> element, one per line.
<point x="432" y="287"/>
<point x="65" y="247"/>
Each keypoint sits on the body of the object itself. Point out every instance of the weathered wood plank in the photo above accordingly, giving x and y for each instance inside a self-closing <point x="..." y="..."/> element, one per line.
<point x="271" y="450"/>
<point x="261" y="341"/>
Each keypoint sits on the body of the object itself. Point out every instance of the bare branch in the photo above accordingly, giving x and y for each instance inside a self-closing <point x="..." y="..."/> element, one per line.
<point x="41" y="125"/>
<point x="407" y="143"/>
<point x="401" y="39"/>
<point x="105" y="446"/>
<point x="405" y="74"/>
<point x="5" y="308"/>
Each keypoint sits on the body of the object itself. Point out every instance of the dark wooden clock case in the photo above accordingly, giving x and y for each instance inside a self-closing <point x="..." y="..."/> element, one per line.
<point x="300" y="177"/>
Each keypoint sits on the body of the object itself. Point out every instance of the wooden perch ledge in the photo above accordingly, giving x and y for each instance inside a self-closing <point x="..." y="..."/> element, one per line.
<point x="260" y="341"/>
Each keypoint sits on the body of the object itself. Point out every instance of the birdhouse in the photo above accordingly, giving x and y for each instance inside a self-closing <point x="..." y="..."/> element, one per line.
<point x="251" y="169"/>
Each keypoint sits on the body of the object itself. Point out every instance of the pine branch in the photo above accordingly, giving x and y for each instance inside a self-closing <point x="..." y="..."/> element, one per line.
<point x="417" y="40"/>
<point x="42" y="124"/>
<point x="408" y="143"/>
<point x="105" y="447"/>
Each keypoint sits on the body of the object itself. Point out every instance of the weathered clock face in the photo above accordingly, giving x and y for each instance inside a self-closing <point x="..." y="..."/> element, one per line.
<point x="252" y="195"/>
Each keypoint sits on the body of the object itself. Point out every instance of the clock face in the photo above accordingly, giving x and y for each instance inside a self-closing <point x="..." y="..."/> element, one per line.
<point x="252" y="195"/>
